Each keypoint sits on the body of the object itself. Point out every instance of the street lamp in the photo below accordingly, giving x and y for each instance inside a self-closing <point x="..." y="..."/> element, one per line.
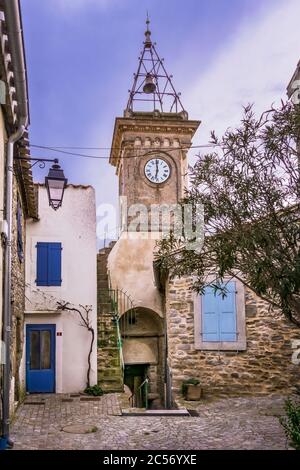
<point x="55" y="184"/>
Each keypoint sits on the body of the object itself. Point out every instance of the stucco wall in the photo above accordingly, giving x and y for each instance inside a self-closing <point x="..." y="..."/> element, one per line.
<point x="74" y="225"/>
<point x="264" y="367"/>
<point x="130" y="264"/>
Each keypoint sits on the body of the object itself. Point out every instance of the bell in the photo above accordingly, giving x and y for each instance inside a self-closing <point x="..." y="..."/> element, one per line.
<point x="149" y="86"/>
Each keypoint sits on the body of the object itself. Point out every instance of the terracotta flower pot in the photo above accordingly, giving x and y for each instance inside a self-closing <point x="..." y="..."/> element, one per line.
<point x="193" y="392"/>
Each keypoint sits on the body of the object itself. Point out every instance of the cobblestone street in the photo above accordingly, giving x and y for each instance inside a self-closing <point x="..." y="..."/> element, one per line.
<point x="233" y="423"/>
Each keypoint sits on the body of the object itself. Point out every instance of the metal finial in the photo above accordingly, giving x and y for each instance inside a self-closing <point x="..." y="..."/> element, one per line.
<point x="147" y="23"/>
<point x="148" y="43"/>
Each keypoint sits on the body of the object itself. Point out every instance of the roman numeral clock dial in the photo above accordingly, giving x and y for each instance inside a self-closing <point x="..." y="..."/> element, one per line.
<point x="157" y="170"/>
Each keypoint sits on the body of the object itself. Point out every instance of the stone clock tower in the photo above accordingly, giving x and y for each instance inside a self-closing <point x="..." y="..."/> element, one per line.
<point x="150" y="143"/>
<point x="149" y="151"/>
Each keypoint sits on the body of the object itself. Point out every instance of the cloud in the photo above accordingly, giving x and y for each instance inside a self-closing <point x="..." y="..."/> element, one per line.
<point x="255" y="66"/>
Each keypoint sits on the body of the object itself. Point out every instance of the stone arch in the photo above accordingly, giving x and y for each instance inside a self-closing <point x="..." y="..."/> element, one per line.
<point x="139" y="319"/>
<point x="142" y="331"/>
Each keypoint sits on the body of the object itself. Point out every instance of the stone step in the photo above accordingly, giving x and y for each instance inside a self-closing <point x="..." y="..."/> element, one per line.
<point x="108" y="323"/>
<point x="102" y="274"/>
<point x="107" y="320"/>
<point x="141" y="412"/>
<point x="111" y="342"/>
<point x="107" y="365"/>
<point x="108" y="355"/>
<point x="107" y="336"/>
<point x="107" y="327"/>
<point x="102" y="277"/>
<point x="105" y="352"/>
<point x="105" y="313"/>
<point x="116" y="378"/>
<point x="112" y="377"/>
<point x="153" y="396"/>
<point x="103" y="346"/>
<point x="105" y="307"/>
<point x="112" y="388"/>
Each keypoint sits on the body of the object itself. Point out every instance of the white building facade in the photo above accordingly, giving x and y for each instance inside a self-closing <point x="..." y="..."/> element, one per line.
<point x="60" y="268"/>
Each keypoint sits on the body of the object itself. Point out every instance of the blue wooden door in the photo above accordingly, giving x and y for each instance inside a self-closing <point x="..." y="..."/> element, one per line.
<point x="40" y="358"/>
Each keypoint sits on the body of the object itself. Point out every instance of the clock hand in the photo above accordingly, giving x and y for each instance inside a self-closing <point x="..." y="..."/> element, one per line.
<point x="156" y="161"/>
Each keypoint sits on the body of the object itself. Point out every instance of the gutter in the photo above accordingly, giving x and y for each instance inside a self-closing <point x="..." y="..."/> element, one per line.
<point x="13" y="20"/>
<point x="16" y="45"/>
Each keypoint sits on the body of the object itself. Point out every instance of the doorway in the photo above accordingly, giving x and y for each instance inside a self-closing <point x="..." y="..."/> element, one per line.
<point x="134" y="377"/>
<point x="40" y="358"/>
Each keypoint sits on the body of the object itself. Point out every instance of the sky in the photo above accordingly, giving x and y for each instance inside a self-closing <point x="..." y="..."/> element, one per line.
<point x="81" y="56"/>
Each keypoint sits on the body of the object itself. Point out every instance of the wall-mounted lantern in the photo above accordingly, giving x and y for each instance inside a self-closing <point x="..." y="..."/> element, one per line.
<point x="55" y="183"/>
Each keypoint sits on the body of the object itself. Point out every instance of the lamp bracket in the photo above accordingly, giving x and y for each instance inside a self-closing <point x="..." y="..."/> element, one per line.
<point x="40" y="161"/>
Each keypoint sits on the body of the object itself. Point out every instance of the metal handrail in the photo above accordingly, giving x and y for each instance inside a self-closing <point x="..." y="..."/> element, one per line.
<point x="133" y="396"/>
<point x="145" y="383"/>
<point x="122" y="302"/>
<point x="117" y="319"/>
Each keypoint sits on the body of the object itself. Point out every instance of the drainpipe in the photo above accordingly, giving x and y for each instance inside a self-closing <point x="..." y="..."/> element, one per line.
<point x="7" y="283"/>
<point x="15" y="36"/>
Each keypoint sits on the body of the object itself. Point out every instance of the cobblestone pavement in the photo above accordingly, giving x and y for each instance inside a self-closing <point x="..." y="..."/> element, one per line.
<point x="232" y="423"/>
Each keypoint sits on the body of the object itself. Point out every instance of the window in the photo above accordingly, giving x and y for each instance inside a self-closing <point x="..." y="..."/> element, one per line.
<point x="219" y="320"/>
<point x="48" y="264"/>
<point x="19" y="232"/>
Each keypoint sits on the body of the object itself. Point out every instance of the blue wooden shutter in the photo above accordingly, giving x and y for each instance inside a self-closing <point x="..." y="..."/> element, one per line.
<point x="42" y="264"/>
<point x="219" y="314"/>
<point x="227" y="314"/>
<point x="210" y="316"/>
<point x="48" y="264"/>
<point x="54" y="264"/>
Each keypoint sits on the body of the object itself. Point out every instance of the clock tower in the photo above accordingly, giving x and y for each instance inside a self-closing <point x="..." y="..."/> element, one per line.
<point x="149" y="151"/>
<point x="150" y="142"/>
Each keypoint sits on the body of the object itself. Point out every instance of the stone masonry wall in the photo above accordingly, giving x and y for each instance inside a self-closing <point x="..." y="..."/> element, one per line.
<point x="266" y="365"/>
<point x="18" y="294"/>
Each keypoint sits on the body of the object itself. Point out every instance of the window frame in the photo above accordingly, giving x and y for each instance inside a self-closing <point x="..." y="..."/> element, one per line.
<point x="240" y="343"/>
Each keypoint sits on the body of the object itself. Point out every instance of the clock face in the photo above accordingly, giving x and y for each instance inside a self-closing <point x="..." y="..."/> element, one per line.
<point x="157" y="170"/>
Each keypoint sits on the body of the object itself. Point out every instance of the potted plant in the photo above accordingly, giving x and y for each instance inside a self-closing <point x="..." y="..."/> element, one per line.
<point x="191" y="389"/>
<point x="94" y="391"/>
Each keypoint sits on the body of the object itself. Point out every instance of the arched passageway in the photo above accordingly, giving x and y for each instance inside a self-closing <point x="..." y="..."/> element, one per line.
<point x="144" y="354"/>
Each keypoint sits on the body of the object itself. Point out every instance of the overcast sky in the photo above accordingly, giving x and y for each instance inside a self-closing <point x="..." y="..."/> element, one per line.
<point x="81" y="56"/>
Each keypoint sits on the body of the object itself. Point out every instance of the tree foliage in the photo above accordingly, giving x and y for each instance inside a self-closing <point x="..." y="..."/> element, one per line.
<point x="291" y="422"/>
<point x="249" y="186"/>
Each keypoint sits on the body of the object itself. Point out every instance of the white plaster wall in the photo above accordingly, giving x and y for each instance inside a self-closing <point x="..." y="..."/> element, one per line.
<point x="74" y="225"/>
<point x="130" y="264"/>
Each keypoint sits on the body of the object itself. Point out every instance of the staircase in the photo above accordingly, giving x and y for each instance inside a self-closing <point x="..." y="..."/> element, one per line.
<point x="109" y="354"/>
